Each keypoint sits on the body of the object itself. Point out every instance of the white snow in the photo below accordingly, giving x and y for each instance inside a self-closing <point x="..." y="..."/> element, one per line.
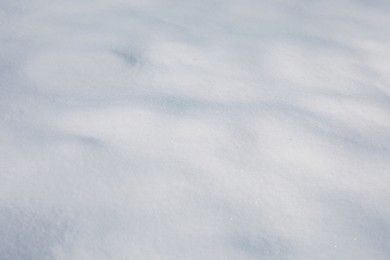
<point x="218" y="129"/>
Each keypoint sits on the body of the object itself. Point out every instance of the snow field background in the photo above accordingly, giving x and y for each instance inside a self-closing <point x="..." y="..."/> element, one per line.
<point x="194" y="129"/>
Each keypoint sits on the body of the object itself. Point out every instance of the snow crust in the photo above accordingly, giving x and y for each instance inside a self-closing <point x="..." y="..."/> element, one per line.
<point x="167" y="129"/>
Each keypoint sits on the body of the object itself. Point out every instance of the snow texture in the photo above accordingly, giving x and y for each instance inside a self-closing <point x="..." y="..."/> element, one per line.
<point x="194" y="129"/>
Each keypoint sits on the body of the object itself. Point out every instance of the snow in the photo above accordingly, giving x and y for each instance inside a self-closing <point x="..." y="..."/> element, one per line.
<point x="151" y="129"/>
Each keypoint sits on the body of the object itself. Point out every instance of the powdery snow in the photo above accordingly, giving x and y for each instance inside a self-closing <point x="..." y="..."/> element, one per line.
<point x="159" y="129"/>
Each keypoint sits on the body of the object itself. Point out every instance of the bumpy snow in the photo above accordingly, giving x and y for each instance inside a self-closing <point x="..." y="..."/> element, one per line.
<point x="194" y="129"/>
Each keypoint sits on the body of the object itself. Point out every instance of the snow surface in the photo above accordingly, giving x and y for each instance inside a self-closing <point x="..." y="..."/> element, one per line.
<point x="194" y="129"/>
